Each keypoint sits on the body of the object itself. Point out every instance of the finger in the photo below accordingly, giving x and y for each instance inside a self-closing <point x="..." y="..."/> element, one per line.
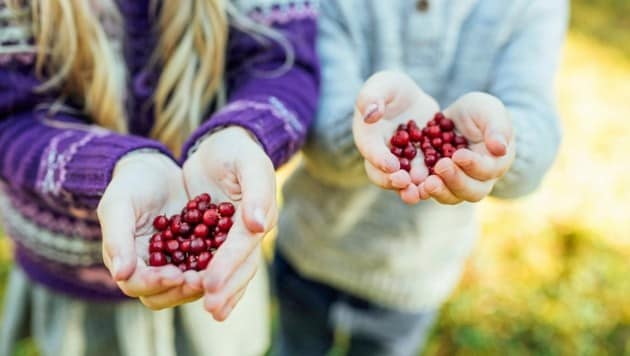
<point x="380" y="96"/>
<point x="438" y="191"/>
<point x="461" y="185"/>
<point x="424" y="195"/>
<point x="377" y="176"/>
<point x="232" y="254"/>
<point x="400" y="179"/>
<point x="419" y="171"/>
<point x="215" y="302"/>
<point x="146" y="281"/>
<point x="118" y="224"/>
<point x="374" y="149"/>
<point x="229" y="306"/>
<point x="171" y="298"/>
<point x="410" y="195"/>
<point x="258" y="184"/>
<point x="475" y="165"/>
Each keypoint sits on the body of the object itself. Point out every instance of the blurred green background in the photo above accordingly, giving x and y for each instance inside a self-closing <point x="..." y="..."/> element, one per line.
<point x="551" y="273"/>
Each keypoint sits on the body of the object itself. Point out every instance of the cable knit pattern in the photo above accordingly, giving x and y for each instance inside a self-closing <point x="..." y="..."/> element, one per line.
<point x="55" y="166"/>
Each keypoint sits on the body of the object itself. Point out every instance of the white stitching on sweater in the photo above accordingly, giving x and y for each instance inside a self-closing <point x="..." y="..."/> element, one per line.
<point x="284" y="13"/>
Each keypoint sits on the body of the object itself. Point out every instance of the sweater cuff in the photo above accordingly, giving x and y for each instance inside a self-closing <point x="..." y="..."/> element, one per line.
<point x="91" y="164"/>
<point x="276" y="128"/>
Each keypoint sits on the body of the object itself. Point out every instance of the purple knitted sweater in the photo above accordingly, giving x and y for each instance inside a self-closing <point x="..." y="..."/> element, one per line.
<point x="55" y="167"/>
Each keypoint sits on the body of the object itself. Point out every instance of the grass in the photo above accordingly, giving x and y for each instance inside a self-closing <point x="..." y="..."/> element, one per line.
<point x="550" y="274"/>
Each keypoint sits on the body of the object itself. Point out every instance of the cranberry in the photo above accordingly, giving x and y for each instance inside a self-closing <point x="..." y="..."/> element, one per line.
<point x="396" y="151"/>
<point x="156" y="237"/>
<point x="432" y="123"/>
<point x="448" y="152"/>
<point x="160" y="222"/>
<point x="438" y="116"/>
<point x="202" y="206"/>
<point x="211" y="217"/>
<point x="402" y="127"/>
<point x="191" y="262"/>
<point x="460" y="140"/>
<point x="400" y="139"/>
<point x="446" y="124"/>
<point x="168" y="235"/>
<point x="415" y="134"/>
<point x="176" y="223"/>
<point x="426" y="146"/>
<point x="182" y="266"/>
<point x="172" y="246"/>
<point x="157" y="259"/>
<point x="410" y="152"/>
<point x="460" y="146"/>
<point x="405" y="164"/>
<point x="192" y="216"/>
<point x="197" y="246"/>
<point x="434" y="132"/>
<point x="191" y="205"/>
<point x="430" y="152"/>
<point x="178" y="257"/>
<point x="437" y="142"/>
<point x="224" y="224"/>
<point x="184" y="228"/>
<point x="205" y="197"/>
<point x="201" y="230"/>
<point x="411" y="124"/>
<point x="447" y="146"/>
<point x="430" y="160"/>
<point x="219" y="239"/>
<point x="226" y="209"/>
<point x="204" y="259"/>
<point x="448" y="136"/>
<point x="156" y="246"/>
<point x="184" y="246"/>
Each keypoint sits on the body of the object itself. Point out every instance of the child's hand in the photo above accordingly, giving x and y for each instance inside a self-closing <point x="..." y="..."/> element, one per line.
<point x="386" y="100"/>
<point x="231" y="165"/>
<point x="471" y="173"/>
<point x="143" y="186"/>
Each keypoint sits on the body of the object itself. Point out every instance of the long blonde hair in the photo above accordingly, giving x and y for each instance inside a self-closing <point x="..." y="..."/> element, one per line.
<point x="75" y="53"/>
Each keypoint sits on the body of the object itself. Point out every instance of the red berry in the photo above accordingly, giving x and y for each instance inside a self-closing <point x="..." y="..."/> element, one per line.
<point x="157" y="259"/>
<point x="431" y="171"/>
<point x="438" y="116"/>
<point x="211" y="217"/>
<point x="156" y="246"/>
<point x="219" y="239"/>
<point x="176" y="223"/>
<point x="405" y="164"/>
<point x="426" y="146"/>
<point x="434" y="132"/>
<point x="460" y="140"/>
<point x="178" y="257"/>
<point x="202" y="206"/>
<point x="192" y="216"/>
<point x="415" y="134"/>
<point x="447" y="146"/>
<point x="432" y="123"/>
<point x="191" y="205"/>
<point x="191" y="263"/>
<point x="430" y="160"/>
<point x="201" y="230"/>
<point x="172" y="246"/>
<point x="447" y="124"/>
<point x="156" y="237"/>
<point x="197" y="246"/>
<point x="402" y="127"/>
<point x="460" y="146"/>
<point x="396" y="151"/>
<point x="430" y="152"/>
<point x="448" y="152"/>
<point x="184" y="228"/>
<point x="437" y="143"/>
<point x="182" y="266"/>
<point x="205" y="197"/>
<point x="167" y="235"/>
<point x="160" y="222"/>
<point x="400" y="139"/>
<point x="204" y="259"/>
<point x="226" y="209"/>
<point x="411" y="123"/>
<point x="410" y="152"/>
<point x="224" y="224"/>
<point x="184" y="246"/>
<point x="448" y="136"/>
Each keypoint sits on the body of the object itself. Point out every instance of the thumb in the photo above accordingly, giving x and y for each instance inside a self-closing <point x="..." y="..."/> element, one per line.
<point x="258" y="185"/>
<point x="380" y="93"/>
<point x="118" y="228"/>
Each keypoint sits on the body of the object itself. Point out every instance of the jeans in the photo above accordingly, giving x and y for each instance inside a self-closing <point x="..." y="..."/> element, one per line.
<point x="312" y="313"/>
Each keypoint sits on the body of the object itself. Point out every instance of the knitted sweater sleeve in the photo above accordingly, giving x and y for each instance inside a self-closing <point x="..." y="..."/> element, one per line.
<point x="523" y="80"/>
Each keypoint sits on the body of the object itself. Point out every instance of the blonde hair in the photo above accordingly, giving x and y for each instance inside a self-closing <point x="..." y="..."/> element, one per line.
<point x="76" y="55"/>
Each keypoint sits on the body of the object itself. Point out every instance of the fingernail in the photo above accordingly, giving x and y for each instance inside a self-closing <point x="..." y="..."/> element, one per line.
<point x="500" y="139"/>
<point x="259" y="217"/>
<point x="115" y="267"/>
<point x="369" y="111"/>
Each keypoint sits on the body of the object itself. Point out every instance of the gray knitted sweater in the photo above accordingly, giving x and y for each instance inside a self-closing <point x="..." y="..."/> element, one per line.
<point x="338" y="228"/>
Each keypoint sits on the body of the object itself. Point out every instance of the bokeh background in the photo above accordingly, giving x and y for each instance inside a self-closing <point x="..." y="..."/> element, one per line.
<point x="551" y="273"/>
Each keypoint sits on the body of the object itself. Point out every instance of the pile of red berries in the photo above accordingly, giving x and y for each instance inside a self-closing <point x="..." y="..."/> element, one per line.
<point x="436" y="140"/>
<point x="190" y="239"/>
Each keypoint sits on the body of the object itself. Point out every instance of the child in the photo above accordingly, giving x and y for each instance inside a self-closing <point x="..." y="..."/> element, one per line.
<point x="354" y="258"/>
<point x="97" y="98"/>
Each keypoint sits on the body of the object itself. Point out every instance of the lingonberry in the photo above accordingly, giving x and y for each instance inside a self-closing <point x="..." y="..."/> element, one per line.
<point x="156" y="246"/>
<point x="157" y="259"/>
<point x="178" y="257"/>
<point x="160" y="222"/>
<point x="201" y="230"/>
<point x="184" y="246"/>
<point x="219" y="239"/>
<point x="430" y="160"/>
<point x="426" y="146"/>
<point x="396" y="151"/>
<point x="415" y="134"/>
<point x="172" y="246"/>
<point x="202" y="206"/>
<point x="434" y="132"/>
<point x="156" y="237"/>
<point x="191" y="205"/>
<point x="400" y="139"/>
<point x="204" y="259"/>
<point x="184" y="228"/>
<point x="402" y="127"/>
<point x="205" y="197"/>
<point x="224" y="224"/>
<point x="405" y="164"/>
<point x="448" y="136"/>
<point x="192" y="216"/>
<point x="226" y="209"/>
<point x="211" y="217"/>
<point x="167" y="235"/>
<point x="410" y="152"/>
<point x="437" y="143"/>
<point x="446" y="124"/>
<point x="197" y="246"/>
